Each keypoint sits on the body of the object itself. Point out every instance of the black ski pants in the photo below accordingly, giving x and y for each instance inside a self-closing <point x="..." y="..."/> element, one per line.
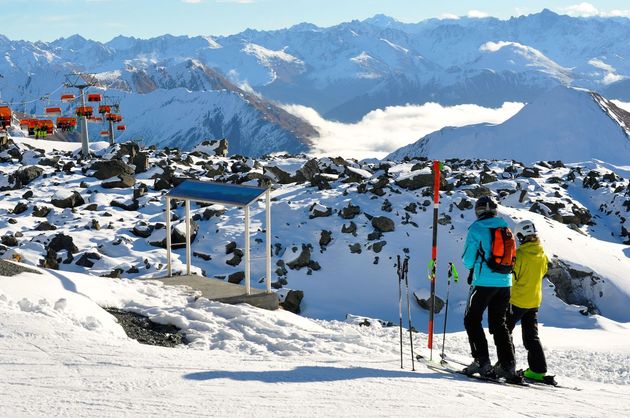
<point x="497" y="301"/>
<point x="529" y="327"/>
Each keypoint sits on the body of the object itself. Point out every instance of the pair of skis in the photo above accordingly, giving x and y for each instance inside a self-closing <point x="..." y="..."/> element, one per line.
<point x="451" y="365"/>
<point x="403" y="271"/>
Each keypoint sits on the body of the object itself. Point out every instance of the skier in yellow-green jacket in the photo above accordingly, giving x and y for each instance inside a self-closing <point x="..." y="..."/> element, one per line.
<point x="526" y="297"/>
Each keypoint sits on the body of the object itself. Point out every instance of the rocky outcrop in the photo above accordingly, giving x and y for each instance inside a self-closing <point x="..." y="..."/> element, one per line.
<point x="106" y="169"/>
<point x="325" y="238"/>
<point x="26" y="175"/>
<point x="87" y="259"/>
<point x="350" y="211"/>
<point x="278" y="175"/>
<point x="179" y="237"/>
<point x="426" y="303"/>
<point x="319" y="211"/>
<point x="304" y="260"/>
<point x="416" y="181"/>
<point x="143" y="230"/>
<point x="71" y="201"/>
<point x="236" y="278"/>
<point x="383" y="224"/>
<point x="292" y="301"/>
<point x="124" y="181"/>
<point x="576" y="286"/>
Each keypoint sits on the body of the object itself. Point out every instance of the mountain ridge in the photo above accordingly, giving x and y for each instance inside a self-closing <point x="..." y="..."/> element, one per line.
<point x="347" y="70"/>
<point x="564" y="124"/>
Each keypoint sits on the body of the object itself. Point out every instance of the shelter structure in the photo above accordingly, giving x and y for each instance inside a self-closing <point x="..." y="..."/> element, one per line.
<point x="227" y="194"/>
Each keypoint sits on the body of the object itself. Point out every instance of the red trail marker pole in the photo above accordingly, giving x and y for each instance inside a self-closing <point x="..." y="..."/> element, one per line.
<point x="433" y="264"/>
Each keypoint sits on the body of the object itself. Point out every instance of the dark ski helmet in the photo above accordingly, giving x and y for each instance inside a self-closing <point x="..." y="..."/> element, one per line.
<point x="485" y="207"/>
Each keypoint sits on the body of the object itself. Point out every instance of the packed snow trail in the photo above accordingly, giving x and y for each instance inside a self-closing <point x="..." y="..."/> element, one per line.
<point x="62" y="355"/>
<point x="75" y="374"/>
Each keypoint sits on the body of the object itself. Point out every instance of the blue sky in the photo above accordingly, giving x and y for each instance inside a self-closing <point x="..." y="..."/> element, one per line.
<point x="104" y="19"/>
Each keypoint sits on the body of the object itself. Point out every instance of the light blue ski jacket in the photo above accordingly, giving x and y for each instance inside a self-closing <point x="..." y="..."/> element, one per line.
<point x="479" y="236"/>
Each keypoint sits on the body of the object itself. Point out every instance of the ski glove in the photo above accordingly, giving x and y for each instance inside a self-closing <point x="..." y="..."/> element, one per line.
<point x="470" y="277"/>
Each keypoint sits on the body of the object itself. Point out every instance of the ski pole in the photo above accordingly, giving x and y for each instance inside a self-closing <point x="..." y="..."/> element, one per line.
<point x="452" y="272"/>
<point x="406" y="274"/>
<point x="399" y="271"/>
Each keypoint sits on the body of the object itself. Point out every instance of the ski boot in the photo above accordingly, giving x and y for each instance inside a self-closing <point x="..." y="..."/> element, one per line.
<point x="508" y="373"/>
<point x="538" y="377"/>
<point x="482" y="367"/>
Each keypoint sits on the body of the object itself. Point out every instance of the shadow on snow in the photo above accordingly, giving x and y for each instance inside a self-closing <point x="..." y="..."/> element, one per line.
<point x="308" y="374"/>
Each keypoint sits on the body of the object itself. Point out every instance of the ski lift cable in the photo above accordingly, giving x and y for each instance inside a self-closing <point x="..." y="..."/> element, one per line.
<point x="41" y="98"/>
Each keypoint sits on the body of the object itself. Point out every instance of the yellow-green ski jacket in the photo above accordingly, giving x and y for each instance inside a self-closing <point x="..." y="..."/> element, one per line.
<point x="529" y="270"/>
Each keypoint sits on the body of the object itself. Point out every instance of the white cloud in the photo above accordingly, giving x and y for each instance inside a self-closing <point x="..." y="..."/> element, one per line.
<point x="385" y="130"/>
<point x="585" y="9"/>
<point x="618" y="13"/>
<point x="477" y="14"/>
<point x="611" y="76"/>
<point x="602" y="65"/>
<point x="449" y="16"/>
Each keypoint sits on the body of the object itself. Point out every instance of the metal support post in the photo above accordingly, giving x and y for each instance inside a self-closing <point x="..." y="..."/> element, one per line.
<point x="247" y="267"/>
<point x="187" y="236"/>
<point x="111" y="132"/>
<point x="168" y="237"/>
<point x="268" y="239"/>
<point x="85" y="138"/>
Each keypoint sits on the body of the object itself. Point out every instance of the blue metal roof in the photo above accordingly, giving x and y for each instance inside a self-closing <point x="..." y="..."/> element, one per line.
<point x="209" y="191"/>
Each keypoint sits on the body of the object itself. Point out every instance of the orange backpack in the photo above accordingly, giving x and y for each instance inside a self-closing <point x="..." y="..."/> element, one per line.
<point x="503" y="250"/>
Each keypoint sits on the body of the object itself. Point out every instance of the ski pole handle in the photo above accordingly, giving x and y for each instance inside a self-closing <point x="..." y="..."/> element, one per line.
<point x="452" y="271"/>
<point x="431" y="269"/>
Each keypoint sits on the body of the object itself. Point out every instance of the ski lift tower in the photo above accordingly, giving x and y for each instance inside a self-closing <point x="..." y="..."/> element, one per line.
<point x="114" y="103"/>
<point x="82" y="81"/>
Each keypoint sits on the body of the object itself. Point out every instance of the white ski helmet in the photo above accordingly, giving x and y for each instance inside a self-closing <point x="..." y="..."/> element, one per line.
<point x="524" y="229"/>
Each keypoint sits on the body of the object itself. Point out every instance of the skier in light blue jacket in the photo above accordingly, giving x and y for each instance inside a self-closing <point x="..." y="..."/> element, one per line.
<point x="490" y="289"/>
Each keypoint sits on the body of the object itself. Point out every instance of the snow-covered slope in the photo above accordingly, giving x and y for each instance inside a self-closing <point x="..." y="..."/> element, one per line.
<point x="63" y="355"/>
<point x="329" y="219"/>
<point x="565" y="124"/>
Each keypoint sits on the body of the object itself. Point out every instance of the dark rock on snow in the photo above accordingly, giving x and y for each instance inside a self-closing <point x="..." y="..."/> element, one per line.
<point x="106" y="169"/>
<point x="237" y="277"/>
<point x="71" y="201"/>
<point x="383" y="224"/>
<point x="25" y="175"/>
<point x="292" y="301"/>
<point x="124" y="181"/>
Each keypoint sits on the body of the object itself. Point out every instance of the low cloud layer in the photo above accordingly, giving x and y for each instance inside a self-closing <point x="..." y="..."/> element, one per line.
<point x="385" y="130"/>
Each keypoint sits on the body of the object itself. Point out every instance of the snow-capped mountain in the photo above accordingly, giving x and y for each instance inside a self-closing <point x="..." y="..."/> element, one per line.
<point x="564" y="124"/>
<point x="172" y="106"/>
<point x="250" y="128"/>
<point x="342" y="71"/>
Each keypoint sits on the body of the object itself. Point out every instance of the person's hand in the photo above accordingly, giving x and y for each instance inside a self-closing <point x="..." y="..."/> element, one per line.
<point x="470" y="277"/>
